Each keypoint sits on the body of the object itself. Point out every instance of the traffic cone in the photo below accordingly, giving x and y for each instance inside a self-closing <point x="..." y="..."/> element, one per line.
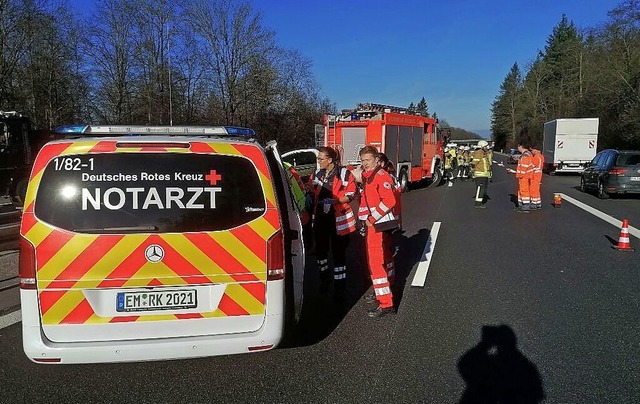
<point x="623" y="241"/>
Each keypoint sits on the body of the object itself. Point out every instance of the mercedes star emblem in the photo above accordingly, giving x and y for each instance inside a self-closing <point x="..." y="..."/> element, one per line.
<point x="154" y="253"/>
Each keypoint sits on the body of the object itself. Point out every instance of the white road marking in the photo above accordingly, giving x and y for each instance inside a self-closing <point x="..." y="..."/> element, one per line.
<point x="10" y="319"/>
<point x="423" y="267"/>
<point x="610" y="219"/>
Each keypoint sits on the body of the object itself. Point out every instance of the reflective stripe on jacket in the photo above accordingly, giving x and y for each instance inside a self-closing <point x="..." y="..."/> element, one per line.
<point x="344" y="184"/>
<point x="538" y="161"/>
<point x="378" y="197"/>
<point x="525" y="165"/>
<point x="481" y="163"/>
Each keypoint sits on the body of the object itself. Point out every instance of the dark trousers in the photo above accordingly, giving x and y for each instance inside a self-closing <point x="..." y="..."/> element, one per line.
<point x="327" y="238"/>
<point x="481" y="190"/>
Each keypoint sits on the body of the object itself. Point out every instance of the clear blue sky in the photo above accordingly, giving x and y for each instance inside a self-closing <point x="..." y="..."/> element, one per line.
<point x="454" y="53"/>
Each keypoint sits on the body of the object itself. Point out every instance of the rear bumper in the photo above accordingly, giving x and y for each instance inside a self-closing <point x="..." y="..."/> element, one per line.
<point x="569" y="166"/>
<point x="625" y="186"/>
<point x="37" y="347"/>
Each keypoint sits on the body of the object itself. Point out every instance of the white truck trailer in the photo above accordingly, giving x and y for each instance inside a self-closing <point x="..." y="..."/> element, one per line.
<point x="569" y="144"/>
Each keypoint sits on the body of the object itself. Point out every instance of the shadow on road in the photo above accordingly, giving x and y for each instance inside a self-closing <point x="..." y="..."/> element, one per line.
<point x="495" y="371"/>
<point x="322" y="313"/>
<point x="410" y="253"/>
<point x="514" y="199"/>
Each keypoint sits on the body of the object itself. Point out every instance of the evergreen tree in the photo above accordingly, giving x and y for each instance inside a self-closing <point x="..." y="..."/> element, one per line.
<point x="505" y="120"/>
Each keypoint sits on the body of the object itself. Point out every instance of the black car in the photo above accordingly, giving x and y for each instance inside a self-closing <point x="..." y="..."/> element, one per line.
<point x="612" y="172"/>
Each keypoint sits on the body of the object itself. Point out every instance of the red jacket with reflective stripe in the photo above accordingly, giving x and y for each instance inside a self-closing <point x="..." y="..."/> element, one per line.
<point x="377" y="196"/>
<point x="344" y="184"/>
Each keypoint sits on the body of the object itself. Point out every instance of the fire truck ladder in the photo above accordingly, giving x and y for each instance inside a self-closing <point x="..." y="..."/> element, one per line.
<point x="372" y="107"/>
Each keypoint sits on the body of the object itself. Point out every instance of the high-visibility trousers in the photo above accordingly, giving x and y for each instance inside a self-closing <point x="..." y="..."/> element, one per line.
<point x="377" y="269"/>
<point x="536" y="199"/>
<point x="524" y="193"/>
<point x="388" y="247"/>
<point x="326" y="237"/>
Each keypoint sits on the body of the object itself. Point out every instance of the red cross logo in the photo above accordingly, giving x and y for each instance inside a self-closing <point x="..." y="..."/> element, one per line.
<point x="213" y="177"/>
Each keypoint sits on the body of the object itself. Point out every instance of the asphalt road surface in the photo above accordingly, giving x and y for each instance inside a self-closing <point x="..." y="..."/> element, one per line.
<point x="529" y="308"/>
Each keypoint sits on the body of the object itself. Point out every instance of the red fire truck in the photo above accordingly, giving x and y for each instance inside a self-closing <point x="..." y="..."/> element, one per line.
<point x="412" y="142"/>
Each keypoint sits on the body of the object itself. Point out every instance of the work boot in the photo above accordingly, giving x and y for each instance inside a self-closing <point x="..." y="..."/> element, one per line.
<point x="380" y="312"/>
<point x="370" y="298"/>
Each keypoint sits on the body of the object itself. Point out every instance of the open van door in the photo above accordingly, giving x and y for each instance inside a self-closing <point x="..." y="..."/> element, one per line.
<point x="295" y="257"/>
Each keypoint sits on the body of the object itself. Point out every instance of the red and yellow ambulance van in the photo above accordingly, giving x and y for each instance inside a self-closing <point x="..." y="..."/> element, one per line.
<point x="149" y="243"/>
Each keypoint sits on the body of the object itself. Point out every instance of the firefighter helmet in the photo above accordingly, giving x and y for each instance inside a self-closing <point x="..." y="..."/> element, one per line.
<point x="483" y="143"/>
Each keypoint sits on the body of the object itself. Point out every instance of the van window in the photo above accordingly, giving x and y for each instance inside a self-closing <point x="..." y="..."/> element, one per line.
<point x="149" y="192"/>
<point x="628" y="159"/>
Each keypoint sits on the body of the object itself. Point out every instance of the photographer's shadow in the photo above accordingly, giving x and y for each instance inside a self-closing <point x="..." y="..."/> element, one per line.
<point x="497" y="372"/>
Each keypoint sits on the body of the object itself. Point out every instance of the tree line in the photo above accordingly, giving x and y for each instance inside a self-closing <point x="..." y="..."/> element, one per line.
<point x="590" y="73"/>
<point x="156" y="62"/>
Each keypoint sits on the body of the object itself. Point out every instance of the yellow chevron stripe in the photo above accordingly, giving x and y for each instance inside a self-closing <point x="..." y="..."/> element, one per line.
<point x="197" y="258"/>
<point x="212" y="314"/>
<point x="95" y="319"/>
<point x="60" y="309"/>
<point x="268" y="188"/>
<point x="31" y="190"/>
<point x="225" y="148"/>
<point x="79" y="148"/>
<point x="239" y="251"/>
<point x="61" y="260"/>
<point x="38" y="233"/>
<point x="244" y="299"/>
<point x="110" y="261"/>
<point x="262" y="227"/>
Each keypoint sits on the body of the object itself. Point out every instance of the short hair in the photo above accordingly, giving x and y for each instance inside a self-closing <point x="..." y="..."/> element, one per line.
<point x="331" y="152"/>
<point x="369" y="150"/>
<point x="525" y="143"/>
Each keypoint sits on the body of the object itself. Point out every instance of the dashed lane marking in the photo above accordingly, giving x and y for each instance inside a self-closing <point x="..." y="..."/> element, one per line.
<point x="423" y="267"/>
<point x="10" y="319"/>
<point x="610" y="219"/>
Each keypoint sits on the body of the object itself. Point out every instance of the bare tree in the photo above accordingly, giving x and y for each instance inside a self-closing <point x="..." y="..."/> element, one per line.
<point x="234" y="41"/>
<point x="110" y="51"/>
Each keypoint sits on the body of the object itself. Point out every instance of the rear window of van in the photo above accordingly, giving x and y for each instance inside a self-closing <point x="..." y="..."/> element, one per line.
<point x="149" y="192"/>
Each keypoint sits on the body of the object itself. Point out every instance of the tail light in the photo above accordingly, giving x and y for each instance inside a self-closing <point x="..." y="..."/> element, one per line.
<point x="617" y="171"/>
<point x="27" y="264"/>
<point x="275" y="257"/>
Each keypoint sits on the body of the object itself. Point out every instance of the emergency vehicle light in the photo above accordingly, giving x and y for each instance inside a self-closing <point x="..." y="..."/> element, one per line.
<point x="66" y="129"/>
<point x="155" y="130"/>
<point x="234" y="130"/>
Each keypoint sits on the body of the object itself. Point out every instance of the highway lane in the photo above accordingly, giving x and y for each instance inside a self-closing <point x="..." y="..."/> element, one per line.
<point x="550" y="277"/>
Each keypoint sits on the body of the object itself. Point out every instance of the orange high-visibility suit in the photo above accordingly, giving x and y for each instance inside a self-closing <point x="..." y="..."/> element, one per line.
<point x="378" y="200"/>
<point x="524" y="174"/>
<point x="538" y="161"/>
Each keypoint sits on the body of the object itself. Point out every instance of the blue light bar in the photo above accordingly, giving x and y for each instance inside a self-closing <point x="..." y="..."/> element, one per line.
<point x="66" y="129"/>
<point x="237" y="131"/>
